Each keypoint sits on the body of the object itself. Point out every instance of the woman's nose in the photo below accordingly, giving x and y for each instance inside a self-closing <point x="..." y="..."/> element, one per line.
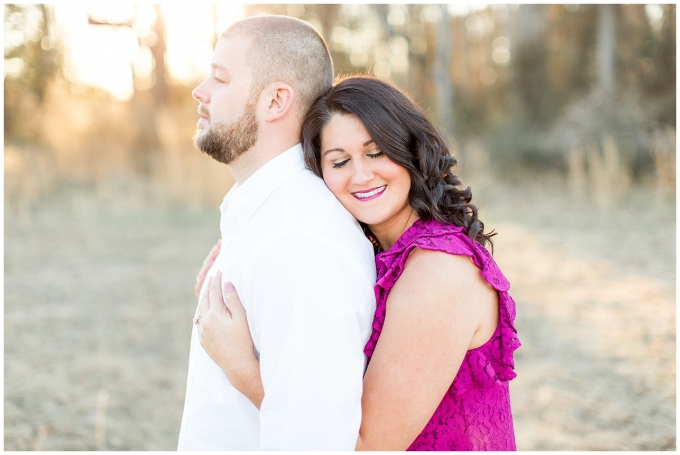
<point x="362" y="173"/>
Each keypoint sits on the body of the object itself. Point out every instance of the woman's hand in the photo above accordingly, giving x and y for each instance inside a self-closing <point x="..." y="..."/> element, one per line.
<point x="223" y="331"/>
<point x="207" y="263"/>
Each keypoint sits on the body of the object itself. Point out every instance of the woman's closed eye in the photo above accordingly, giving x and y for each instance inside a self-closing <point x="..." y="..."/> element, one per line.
<point x="375" y="154"/>
<point x="338" y="164"/>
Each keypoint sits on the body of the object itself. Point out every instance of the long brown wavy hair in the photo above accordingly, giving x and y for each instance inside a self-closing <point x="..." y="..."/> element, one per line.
<point x="401" y="131"/>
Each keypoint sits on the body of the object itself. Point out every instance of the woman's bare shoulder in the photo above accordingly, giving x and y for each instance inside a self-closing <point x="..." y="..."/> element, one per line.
<point x="452" y="286"/>
<point x="455" y="269"/>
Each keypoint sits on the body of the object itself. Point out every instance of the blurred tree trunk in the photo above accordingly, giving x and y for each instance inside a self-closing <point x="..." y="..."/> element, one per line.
<point x="606" y="48"/>
<point x="442" y="74"/>
<point x="417" y="57"/>
<point x="400" y="79"/>
<point x="41" y="57"/>
<point x="532" y="22"/>
<point x="46" y="65"/>
<point x="146" y="145"/>
<point x="664" y="86"/>
<point x="328" y="16"/>
<point x="530" y="66"/>
<point x="160" y="89"/>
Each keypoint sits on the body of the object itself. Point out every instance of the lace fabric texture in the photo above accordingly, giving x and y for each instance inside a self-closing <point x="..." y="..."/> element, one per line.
<point x="475" y="413"/>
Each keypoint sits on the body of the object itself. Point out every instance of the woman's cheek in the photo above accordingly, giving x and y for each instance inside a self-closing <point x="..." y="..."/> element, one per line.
<point x="333" y="181"/>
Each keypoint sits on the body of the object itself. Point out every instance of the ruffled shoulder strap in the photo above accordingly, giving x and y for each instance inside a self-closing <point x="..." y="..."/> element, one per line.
<point x="448" y="238"/>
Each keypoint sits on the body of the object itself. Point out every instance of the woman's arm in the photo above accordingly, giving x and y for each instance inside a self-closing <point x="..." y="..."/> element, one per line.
<point x="224" y="334"/>
<point x="439" y="308"/>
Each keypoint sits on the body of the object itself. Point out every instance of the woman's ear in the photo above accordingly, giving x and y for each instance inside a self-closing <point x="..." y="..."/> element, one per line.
<point x="280" y="98"/>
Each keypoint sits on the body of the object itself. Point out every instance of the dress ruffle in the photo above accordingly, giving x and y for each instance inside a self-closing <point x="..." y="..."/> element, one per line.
<point x="487" y="365"/>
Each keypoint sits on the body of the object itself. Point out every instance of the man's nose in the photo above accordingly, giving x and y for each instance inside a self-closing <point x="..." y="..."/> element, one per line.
<point x="200" y="93"/>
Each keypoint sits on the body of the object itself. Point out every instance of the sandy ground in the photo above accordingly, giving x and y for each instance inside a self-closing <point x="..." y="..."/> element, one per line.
<point x="595" y="289"/>
<point x="99" y="300"/>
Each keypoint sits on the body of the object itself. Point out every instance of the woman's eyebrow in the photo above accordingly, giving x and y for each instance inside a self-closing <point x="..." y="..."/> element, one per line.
<point x="332" y="150"/>
<point x="338" y="149"/>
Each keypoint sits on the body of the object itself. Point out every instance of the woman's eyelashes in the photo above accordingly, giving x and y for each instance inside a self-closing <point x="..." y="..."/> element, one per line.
<point x="339" y="164"/>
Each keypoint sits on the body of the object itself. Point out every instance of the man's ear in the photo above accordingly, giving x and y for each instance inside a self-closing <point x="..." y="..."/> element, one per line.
<point x="279" y="99"/>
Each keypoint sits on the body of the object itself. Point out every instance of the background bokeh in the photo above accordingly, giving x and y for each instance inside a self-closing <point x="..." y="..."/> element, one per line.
<point x="563" y="119"/>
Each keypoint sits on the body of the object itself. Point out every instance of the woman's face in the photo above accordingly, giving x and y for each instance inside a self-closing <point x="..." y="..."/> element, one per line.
<point x="373" y="188"/>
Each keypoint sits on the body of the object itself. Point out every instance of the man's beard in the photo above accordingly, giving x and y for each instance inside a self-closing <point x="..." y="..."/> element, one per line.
<point x="225" y="143"/>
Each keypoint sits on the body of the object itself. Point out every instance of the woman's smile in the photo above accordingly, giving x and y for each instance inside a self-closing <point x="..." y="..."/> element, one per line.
<point x="369" y="194"/>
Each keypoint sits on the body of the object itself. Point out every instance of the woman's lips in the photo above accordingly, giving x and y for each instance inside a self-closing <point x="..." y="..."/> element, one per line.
<point x="367" y="195"/>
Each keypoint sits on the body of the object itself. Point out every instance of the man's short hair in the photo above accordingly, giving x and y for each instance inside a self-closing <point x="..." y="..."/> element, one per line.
<point x="286" y="49"/>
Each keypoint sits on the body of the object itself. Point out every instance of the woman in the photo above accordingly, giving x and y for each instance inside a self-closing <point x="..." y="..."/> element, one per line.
<point x="441" y="351"/>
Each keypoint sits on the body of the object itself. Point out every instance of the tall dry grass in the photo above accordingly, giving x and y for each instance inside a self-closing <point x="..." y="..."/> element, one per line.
<point x="664" y="158"/>
<point x="119" y="150"/>
<point x="601" y="170"/>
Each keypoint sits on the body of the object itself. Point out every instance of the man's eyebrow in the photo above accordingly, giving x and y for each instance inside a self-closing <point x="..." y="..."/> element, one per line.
<point x="365" y="144"/>
<point x="218" y="67"/>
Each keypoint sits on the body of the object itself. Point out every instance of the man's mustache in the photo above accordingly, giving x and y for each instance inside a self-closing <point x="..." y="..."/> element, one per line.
<point x="203" y="112"/>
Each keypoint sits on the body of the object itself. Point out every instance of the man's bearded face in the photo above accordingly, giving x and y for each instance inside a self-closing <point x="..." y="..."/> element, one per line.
<point x="226" y="142"/>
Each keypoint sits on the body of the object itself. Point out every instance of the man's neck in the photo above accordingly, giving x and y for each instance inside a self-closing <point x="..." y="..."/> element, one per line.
<point x="243" y="167"/>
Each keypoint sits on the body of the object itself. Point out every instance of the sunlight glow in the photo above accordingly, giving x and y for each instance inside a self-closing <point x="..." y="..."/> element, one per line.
<point x="463" y="9"/>
<point x="105" y="56"/>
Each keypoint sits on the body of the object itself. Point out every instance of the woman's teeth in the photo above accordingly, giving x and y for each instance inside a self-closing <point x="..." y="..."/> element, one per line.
<point x="370" y="193"/>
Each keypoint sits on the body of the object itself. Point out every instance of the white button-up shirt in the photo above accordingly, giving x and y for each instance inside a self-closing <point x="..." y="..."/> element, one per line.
<point x="305" y="273"/>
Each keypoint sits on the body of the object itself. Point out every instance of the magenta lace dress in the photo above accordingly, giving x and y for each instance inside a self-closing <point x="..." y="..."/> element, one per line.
<point x="475" y="412"/>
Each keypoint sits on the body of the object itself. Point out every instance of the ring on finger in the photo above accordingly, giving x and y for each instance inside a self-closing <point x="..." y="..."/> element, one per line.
<point x="197" y="318"/>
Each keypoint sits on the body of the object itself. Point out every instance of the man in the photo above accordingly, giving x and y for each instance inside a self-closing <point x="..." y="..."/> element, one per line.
<point x="299" y="260"/>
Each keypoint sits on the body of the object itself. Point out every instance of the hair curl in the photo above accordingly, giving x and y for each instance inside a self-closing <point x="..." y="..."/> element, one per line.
<point x="402" y="132"/>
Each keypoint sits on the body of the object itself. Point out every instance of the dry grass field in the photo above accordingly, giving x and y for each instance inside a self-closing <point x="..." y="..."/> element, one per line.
<point x="99" y="299"/>
<point x="595" y="289"/>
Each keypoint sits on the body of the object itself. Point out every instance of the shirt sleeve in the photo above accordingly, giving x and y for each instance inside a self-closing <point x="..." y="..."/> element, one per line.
<point x="310" y="310"/>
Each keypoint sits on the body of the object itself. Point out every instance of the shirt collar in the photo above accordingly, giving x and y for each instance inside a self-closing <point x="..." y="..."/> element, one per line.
<point x="242" y="201"/>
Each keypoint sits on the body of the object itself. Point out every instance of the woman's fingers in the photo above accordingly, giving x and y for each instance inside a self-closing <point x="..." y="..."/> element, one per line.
<point x="207" y="263"/>
<point x="215" y="294"/>
<point x="232" y="300"/>
<point x="213" y="303"/>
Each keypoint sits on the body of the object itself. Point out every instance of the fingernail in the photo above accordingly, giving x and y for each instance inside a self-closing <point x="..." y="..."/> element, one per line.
<point x="229" y="286"/>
